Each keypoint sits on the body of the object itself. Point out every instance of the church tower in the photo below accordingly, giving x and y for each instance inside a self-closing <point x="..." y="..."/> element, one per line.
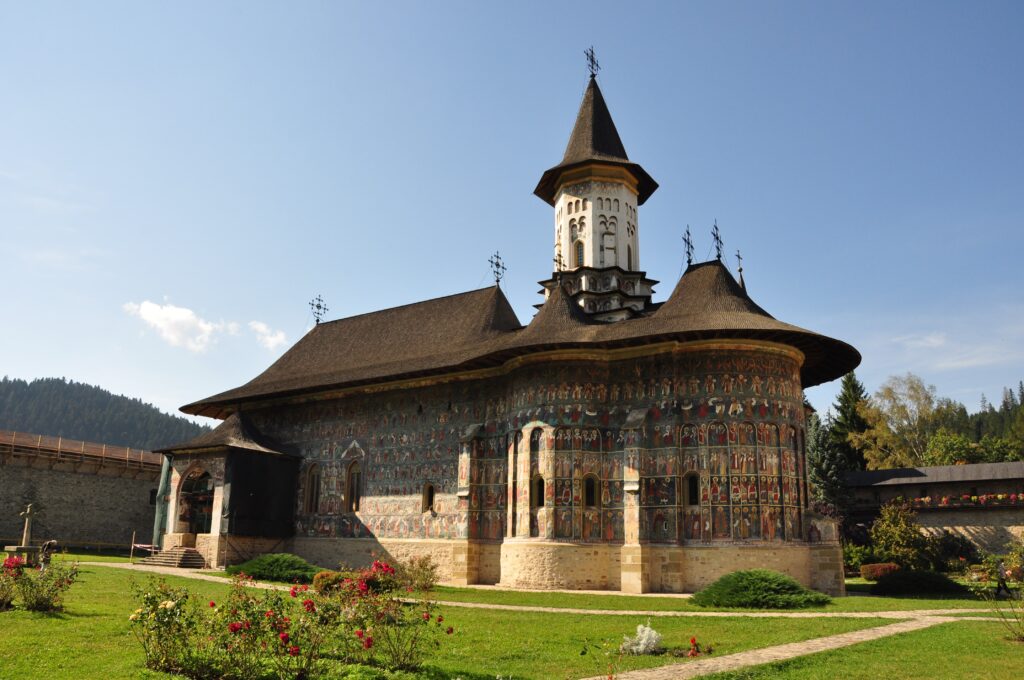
<point x="596" y="192"/>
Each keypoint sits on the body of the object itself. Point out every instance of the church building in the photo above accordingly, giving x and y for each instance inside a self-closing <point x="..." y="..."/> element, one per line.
<point x="613" y="442"/>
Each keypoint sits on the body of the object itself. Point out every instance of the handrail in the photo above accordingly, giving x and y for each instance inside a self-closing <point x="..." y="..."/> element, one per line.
<point x="59" y="445"/>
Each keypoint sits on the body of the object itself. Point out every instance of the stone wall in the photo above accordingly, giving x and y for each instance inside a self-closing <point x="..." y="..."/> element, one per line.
<point x="91" y="505"/>
<point x="990" y="529"/>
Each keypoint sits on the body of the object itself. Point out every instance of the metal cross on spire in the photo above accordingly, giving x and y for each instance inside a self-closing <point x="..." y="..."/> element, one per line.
<point x="716" y="236"/>
<point x="498" y="268"/>
<point x="559" y="261"/>
<point x="739" y="261"/>
<point x="592" y="62"/>
<point x="688" y="241"/>
<point x="319" y="309"/>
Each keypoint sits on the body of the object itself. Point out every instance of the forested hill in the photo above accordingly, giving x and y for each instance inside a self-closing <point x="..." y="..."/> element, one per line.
<point x="59" y="407"/>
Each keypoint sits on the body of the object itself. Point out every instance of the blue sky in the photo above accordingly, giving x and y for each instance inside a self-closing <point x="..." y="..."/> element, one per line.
<point x="178" y="180"/>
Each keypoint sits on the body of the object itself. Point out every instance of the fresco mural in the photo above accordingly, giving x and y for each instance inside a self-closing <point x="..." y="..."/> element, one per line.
<point x="732" y="419"/>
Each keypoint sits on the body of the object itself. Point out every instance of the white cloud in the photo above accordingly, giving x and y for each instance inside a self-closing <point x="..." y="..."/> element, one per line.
<point x="926" y="341"/>
<point x="265" y="336"/>
<point x="179" y="326"/>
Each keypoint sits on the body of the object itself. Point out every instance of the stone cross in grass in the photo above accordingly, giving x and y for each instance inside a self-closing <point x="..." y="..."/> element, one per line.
<point x="26" y="535"/>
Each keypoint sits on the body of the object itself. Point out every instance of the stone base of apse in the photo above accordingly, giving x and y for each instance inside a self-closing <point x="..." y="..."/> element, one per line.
<point x="551" y="565"/>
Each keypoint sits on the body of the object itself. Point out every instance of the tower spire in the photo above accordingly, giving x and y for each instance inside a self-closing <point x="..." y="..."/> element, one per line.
<point x="739" y="263"/>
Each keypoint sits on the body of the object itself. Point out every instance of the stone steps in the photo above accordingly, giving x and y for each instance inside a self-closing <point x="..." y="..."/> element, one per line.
<point x="189" y="558"/>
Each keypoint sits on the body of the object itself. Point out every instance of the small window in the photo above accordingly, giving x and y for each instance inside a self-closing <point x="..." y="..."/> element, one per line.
<point x="152" y="496"/>
<point x="577" y="250"/>
<point x="629" y="258"/>
<point x="535" y="440"/>
<point x="428" y="497"/>
<point x="312" y="497"/>
<point x="616" y="204"/>
<point x="590" y="496"/>
<point x="353" y="488"/>
<point x="584" y="204"/>
<point x="537" y="492"/>
<point x="692" y="490"/>
<point x="569" y="206"/>
<point x="577" y="205"/>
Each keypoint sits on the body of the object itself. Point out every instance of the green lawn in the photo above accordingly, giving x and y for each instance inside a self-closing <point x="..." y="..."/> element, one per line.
<point x="654" y="603"/>
<point x="950" y="650"/>
<point x="91" y="639"/>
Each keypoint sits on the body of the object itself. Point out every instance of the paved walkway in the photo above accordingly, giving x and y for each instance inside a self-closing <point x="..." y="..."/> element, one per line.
<point x="907" y="621"/>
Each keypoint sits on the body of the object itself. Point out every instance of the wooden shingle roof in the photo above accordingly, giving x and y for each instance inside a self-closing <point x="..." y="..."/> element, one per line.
<point x="594" y="139"/>
<point x="479" y="329"/>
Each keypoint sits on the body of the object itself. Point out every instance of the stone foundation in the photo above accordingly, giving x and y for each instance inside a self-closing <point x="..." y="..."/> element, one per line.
<point x="991" y="529"/>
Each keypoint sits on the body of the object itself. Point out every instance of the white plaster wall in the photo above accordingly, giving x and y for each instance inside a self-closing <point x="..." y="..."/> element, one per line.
<point x="624" y="232"/>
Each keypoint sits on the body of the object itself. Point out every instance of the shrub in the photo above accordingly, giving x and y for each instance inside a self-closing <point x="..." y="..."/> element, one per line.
<point x="759" y="589"/>
<point x="44" y="591"/>
<point x="953" y="550"/>
<point x="327" y="581"/>
<point x="646" y="641"/>
<point x="283" y="567"/>
<point x="419" y="573"/>
<point x="873" y="572"/>
<point x="897" y="537"/>
<point x="856" y="555"/>
<point x="907" y="582"/>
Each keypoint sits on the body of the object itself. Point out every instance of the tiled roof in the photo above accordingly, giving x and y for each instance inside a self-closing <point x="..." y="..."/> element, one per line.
<point x="937" y="474"/>
<point x="234" y="433"/>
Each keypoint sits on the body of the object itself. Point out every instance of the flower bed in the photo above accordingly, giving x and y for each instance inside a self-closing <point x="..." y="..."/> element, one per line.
<point x="968" y="500"/>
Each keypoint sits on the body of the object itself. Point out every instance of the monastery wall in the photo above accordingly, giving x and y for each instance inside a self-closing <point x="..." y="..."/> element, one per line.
<point x="76" y="505"/>
<point x="991" y="529"/>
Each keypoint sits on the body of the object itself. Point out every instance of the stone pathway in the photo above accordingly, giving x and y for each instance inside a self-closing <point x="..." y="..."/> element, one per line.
<point x="757" y="657"/>
<point x="907" y="621"/>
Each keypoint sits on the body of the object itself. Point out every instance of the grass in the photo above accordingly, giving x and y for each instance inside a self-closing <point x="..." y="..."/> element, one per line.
<point x="950" y="650"/>
<point x="654" y="603"/>
<point x="90" y="557"/>
<point x="91" y="639"/>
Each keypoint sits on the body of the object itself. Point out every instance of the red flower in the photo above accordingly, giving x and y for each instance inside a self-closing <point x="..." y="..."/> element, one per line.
<point x="294" y="591"/>
<point x="426" y="616"/>
<point x="309" y="605"/>
<point x="367" y="642"/>
<point x="450" y="630"/>
<point x="247" y="625"/>
<point x="693" y="641"/>
<point x="284" y="638"/>
<point x="212" y="603"/>
<point x="269" y="614"/>
<point x="293" y="650"/>
<point x="440" y="618"/>
<point x="305" y="587"/>
<point x="234" y="627"/>
<point x="359" y="632"/>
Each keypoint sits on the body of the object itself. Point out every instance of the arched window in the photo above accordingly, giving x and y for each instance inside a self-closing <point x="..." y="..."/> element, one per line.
<point x="600" y="204"/>
<point x="692" y="490"/>
<point x="537" y="492"/>
<point x="568" y="206"/>
<point x="591" y="498"/>
<point x="312" y="504"/>
<point x="629" y="258"/>
<point x="577" y="205"/>
<point x="535" y="440"/>
<point x="577" y="250"/>
<point x="612" y="223"/>
<point x="584" y="204"/>
<point x="572" y="229"/>
<point x="428" y="497"/>
<point x="353" y="487"/>
<point x="616" y="204"/>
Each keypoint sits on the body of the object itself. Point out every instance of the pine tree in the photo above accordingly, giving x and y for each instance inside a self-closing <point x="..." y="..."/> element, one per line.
<point x="826" y="464"/>
<point x="849" y="421"/>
